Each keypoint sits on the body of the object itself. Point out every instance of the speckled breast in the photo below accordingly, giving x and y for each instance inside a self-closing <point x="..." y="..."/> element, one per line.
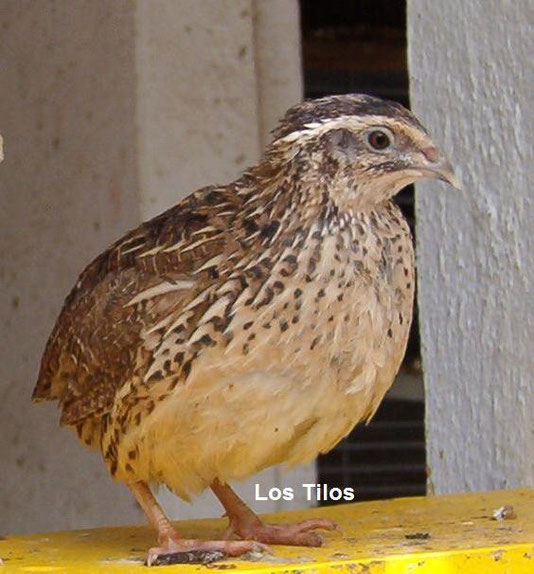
<point x="308" y="351"/>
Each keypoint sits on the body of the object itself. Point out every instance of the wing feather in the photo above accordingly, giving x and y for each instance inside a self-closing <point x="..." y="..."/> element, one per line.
<point x="152" y="271"/>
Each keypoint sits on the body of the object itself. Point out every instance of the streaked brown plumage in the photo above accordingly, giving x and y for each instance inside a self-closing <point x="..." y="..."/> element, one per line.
<point x="251" y="324"/>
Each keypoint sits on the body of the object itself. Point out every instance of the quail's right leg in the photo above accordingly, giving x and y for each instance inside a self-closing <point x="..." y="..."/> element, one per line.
<point x="172" y="548"/>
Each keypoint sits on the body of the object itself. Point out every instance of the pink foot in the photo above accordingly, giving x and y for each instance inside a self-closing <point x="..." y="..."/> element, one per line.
<point x="179" y="551"/>
<point x="298" y="534"/>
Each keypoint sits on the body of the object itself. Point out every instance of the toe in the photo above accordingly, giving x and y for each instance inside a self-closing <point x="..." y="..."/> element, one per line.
<point x="300" y="534"/>
<point x="314" y="523"/>
<point x="311" y="539"/>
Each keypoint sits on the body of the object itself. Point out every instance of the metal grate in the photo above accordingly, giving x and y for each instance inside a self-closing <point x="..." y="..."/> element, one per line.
<point x="386" y="458"/>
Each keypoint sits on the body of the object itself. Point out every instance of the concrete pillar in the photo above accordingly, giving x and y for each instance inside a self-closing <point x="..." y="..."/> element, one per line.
<point x="110" y="113"/>
<point x="472" y="79"/>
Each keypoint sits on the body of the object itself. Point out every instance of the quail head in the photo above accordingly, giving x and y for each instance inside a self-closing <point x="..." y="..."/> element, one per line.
<point x="251" y="324"/>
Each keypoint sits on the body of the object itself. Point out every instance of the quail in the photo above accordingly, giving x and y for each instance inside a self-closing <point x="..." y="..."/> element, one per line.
<point x="251" y="324"/>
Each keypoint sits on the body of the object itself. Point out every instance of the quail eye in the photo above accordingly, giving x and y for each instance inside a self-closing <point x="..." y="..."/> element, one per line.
<point x="379" y="140"/>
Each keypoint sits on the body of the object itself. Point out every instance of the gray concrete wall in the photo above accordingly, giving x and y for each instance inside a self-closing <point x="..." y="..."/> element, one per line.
<point x="68" y="187"/>
<point x="111" y="112"/>
<point x="472" y="80"/>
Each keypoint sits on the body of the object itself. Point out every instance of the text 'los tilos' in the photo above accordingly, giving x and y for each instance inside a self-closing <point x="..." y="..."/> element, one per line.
<point x="312" y="492"/>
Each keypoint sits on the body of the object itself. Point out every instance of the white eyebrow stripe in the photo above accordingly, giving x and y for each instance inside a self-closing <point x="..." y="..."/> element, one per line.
<point x="314" y="129"/>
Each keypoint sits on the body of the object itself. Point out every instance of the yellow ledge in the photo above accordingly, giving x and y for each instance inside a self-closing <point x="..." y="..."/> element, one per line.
<point x="434" y="534"/>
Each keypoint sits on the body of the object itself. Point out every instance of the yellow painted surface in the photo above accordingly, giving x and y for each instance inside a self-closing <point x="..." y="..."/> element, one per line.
<point x="438" y="535"/>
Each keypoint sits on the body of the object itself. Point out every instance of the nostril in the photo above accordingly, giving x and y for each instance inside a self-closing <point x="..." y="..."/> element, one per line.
<point x="431" y="154"/>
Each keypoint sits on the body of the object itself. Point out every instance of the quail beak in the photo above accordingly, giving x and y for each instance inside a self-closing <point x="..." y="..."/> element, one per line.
<point x="435" y="166"/>
<point x="444" y="172"/>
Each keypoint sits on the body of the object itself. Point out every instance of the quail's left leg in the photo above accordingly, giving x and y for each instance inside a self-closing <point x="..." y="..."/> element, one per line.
<point x="175" y="549"/>
<point x="248" y="526"/>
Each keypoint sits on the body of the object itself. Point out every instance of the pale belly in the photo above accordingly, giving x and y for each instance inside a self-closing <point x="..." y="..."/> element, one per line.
<point x="285" y="395"/>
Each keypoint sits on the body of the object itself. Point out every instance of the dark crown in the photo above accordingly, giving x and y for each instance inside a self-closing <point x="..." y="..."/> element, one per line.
<point x="332" y="107"/>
